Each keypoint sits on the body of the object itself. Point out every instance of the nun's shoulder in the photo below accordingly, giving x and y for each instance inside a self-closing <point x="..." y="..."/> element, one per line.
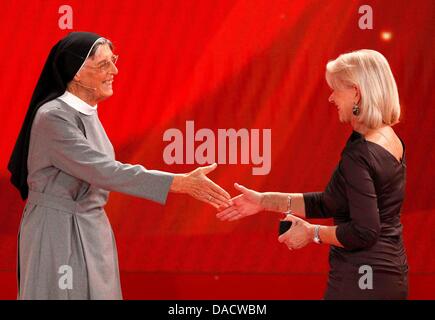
<point x="54" y="112"/>
<point x="55" y="107"/>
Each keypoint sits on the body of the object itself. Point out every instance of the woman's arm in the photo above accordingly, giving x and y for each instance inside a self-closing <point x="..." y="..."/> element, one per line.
<point x="300" y="234"/>
<point x="364" y="227"/>
<point x="304" y="205"/>
<point x="284" y="202"/>
<point x="328" y="235"/>
<point x="250" y="202"/>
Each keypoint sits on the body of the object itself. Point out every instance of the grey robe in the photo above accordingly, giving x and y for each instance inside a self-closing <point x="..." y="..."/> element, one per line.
<point x="66" y="246"/>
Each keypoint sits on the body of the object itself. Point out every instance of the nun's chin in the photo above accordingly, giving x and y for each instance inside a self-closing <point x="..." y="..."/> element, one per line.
<point x="108" y="92"/>
<point x="103" y="95"/>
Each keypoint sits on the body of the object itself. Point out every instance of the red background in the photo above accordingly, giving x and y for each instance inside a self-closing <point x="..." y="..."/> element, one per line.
<point x="227" y="64"/>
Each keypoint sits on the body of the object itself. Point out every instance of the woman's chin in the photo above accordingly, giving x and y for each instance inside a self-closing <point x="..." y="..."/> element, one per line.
<point x="343" y="120"/>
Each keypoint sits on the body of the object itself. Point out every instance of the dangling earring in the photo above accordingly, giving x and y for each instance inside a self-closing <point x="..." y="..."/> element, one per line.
<point x="355" y="110"/>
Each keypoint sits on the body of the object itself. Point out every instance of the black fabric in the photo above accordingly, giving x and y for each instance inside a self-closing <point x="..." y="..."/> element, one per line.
<point x="364" y="197"/>
<point x="385" y="286"/>
<point x="63" y="62"/>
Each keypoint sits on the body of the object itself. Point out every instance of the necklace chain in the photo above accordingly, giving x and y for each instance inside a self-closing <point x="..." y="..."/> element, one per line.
<point x="388" y="140"/>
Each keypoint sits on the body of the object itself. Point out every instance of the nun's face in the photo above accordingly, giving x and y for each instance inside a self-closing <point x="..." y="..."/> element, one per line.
<point x="98" y="73"/>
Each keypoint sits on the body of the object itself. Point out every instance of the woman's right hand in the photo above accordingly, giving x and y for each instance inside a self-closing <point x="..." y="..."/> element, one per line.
<point x="245" y="204"/>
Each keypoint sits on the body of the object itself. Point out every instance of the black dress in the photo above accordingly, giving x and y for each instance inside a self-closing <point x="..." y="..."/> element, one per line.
<point x="364" y="197"/>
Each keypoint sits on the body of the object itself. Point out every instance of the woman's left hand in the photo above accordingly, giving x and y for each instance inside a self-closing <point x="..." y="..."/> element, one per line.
<point x="300" y="234"/>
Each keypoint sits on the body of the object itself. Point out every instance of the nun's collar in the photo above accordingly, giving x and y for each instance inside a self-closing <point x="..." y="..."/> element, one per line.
<point x="78" y="104"/>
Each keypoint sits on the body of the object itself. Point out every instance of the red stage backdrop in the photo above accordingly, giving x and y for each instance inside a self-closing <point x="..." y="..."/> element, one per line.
<point x="251" y="65"/>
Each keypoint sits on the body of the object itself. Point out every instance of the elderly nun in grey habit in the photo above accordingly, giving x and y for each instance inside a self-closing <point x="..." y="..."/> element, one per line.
<point x="64" y="165"/>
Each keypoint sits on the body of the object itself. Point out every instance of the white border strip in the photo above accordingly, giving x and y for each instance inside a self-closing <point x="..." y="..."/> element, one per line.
<point x="89" y="52"/>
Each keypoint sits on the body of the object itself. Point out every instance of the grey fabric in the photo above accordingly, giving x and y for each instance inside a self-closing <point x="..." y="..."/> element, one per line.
<point x="72" y="168"/>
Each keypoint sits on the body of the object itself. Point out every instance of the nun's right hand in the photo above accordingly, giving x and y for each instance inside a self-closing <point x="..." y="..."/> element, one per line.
<point x="200" y="187"/>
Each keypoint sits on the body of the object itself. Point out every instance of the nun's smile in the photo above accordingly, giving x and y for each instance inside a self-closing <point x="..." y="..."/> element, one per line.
<point x="108" y="84"/>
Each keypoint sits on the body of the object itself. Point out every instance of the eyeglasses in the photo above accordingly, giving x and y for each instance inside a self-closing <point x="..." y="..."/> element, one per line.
<point x="105" y="65"/>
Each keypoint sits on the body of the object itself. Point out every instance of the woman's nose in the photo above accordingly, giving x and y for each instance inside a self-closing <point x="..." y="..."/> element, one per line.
<point x="331" y="99"/>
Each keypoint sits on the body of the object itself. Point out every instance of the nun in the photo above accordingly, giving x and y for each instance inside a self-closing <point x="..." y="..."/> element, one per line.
<point x="64" y="165"/>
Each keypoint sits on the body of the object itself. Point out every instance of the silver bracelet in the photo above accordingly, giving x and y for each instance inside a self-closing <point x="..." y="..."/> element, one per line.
<point x="316" y="238"/>
<point x="289" y="205"/>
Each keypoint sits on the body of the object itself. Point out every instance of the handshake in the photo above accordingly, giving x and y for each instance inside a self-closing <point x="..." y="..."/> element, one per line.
<point x="199" y="186"/>
<point x="294" y="232"/>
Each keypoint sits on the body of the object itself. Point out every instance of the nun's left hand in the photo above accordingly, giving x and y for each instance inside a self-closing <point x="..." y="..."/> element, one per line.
<point x="300" y="234"/>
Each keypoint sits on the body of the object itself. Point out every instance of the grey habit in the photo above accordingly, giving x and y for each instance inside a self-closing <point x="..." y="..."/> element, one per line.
<point x="64" y="229"/>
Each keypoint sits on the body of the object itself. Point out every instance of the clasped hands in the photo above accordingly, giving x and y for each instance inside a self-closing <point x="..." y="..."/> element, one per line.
<point x="247" y="203"/>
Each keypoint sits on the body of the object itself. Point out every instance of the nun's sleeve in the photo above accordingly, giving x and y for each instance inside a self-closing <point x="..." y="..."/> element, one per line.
<point x="70" y="151"/>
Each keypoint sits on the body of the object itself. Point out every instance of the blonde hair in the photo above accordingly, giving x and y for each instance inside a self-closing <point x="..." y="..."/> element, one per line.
<point x="370" y="72"/>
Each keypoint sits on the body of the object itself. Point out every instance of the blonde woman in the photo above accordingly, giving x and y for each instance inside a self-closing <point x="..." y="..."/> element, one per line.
<point x="365" y="193"/>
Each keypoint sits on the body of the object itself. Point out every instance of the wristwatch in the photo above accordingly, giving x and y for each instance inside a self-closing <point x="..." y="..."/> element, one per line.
<point x="316" y="238"/>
